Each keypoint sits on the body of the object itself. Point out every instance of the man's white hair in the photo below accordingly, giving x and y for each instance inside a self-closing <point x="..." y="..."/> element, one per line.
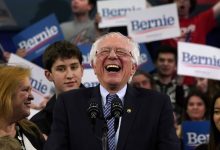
<point x="135" y="52"/>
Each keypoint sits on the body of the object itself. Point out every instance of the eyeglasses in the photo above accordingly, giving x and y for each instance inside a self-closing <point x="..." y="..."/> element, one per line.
<point x="120" y="52"/>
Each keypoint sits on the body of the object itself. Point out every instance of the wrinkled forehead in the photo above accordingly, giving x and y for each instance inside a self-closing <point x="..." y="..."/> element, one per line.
<point x="115" y="40"/>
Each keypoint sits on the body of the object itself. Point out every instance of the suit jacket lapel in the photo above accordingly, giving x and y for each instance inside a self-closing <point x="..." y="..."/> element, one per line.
<point x="130" y="109"/>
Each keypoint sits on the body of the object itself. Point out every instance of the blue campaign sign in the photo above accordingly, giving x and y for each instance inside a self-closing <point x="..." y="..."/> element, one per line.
<point x="195" y="133"/>
<point x="146" y="63"/>
<point x="145" y="59"/>
<point x="85" y="49"/>
<point x="38" y="36"/>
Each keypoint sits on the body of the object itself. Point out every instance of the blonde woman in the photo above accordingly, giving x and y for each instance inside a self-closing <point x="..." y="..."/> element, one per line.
<point x="15" y="100"/>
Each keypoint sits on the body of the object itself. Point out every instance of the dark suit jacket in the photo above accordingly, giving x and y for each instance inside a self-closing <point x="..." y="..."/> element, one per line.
<point x="44" y="118"/>
<point x="149" y="125"/>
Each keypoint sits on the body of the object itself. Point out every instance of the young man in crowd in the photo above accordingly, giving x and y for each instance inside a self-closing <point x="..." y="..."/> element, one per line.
<point x="63" y="66"/>
<point x="166" y="79"/>
<point x="82" y="28"/>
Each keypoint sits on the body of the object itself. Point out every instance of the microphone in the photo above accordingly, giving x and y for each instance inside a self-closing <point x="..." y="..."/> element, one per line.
<point x="116" y="111"/>
<point x="93" y="111"/>
<point x="116" y="108"/>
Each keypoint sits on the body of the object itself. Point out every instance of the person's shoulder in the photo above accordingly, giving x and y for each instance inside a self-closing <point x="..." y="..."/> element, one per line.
<point x="77" y="92"/>
<point x="45" y="111"/>
<point x="207" y="13"/>
<point x="150" y="98"/>
<point x="149" y="93"/>
<point x="50" y="103"/>
<point x="75" y="97"/>
<point x="66" y="24"/>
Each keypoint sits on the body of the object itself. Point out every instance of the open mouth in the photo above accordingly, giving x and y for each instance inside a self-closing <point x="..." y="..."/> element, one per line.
<point x="113" y="68"/>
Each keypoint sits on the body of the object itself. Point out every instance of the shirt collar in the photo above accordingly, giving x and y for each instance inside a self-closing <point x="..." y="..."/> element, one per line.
<point x="120" y="93"/>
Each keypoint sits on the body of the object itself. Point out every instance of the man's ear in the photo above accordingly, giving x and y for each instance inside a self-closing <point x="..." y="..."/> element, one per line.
<point x="47" y="74"/>
<point x="133" y="69"/>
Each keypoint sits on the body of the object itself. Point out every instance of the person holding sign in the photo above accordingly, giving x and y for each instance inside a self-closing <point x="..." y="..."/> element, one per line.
<point x="166" y="79"/>
<point x="194" y="29"/>
<point x="82" y="28"/>
<point x="87" y="118"/>
<point x="195" y="110"/>
<point x="63" y="67"/>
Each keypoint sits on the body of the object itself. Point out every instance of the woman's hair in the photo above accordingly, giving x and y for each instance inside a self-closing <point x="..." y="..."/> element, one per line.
<point x="203" y="98"/>
<point x="10" y="78"/>
<point x="214" y="138"/>
<point x="9" y="143"/>
<point x="31" y="128"/>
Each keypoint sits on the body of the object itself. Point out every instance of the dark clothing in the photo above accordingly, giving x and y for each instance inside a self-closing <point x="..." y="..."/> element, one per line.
<point x="202" y="147"/>
<point x="36" y="138"/>
<point x="146" y="124"/>
<point x="44" y="118"/>
<point x="177" y="94"/>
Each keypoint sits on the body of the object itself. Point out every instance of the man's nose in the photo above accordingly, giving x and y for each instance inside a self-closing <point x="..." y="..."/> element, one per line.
<point x="166" y="62"/>
<point x="69" y="73"/>
<point x="112" y="53"/>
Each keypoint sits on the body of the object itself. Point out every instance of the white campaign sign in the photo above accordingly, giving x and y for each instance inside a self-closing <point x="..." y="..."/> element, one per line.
<point x="198" y="60"/>
<point x="89" y="78"/>
<point x="113" y="12"/>
<point x="41" y="86"/>
<point x="155" y="23"/>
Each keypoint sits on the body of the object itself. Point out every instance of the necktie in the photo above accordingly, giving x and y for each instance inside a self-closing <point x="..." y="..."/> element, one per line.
<point x="110" y="123"/>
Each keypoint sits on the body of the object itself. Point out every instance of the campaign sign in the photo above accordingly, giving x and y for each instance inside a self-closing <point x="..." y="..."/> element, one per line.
<point x="153" y="24"/>
<point x="146" y="62"/>
<point x="36" y="38"/>
<point x="89" y="79"/>
<point x="41" y="87"/>
<point x="113" y="12"/>
<point x="195" y="133"/>
<point x="198" y="60"/>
